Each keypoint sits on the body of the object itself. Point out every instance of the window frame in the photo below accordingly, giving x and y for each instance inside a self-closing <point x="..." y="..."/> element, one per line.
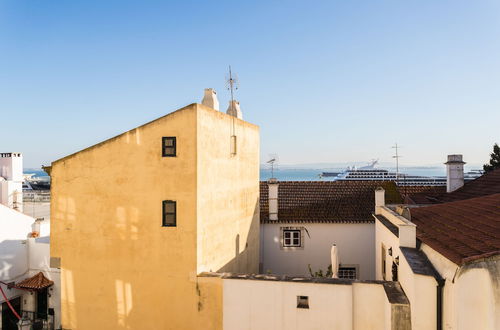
<point x="163" y="146"/>
<point x="292" y="231"/>
<point x="164" y="213"/>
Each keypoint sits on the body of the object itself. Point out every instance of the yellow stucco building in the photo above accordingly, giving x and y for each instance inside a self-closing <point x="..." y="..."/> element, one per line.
<point x="137" y="217"/>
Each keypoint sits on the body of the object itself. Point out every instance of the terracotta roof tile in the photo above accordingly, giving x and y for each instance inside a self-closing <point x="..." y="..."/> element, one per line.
<point x="326" y="201"/>
<point x="487" y="184"/>
<point x="36" y="282"/>
<point x="462" y="230"/>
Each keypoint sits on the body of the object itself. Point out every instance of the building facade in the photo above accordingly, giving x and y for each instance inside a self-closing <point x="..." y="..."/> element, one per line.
<point x="300" y="221"/>
<point x="136" y="218"/>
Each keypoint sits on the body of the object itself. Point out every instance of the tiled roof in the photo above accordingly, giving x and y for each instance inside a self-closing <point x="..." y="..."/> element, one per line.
<point x="326" y="201"/>
<point x="486" y="184"/>
<point x="463" y="230"/>
<point x="36" y="282"/>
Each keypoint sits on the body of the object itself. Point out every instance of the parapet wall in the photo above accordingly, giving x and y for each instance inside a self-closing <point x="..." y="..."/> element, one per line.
<point x="281" y="302"/>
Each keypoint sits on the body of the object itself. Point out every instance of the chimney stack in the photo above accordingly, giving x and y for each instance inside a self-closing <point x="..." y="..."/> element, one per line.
<point x="234" y="110"/>
<point x="210" y="99"/>
<point x="273" y="198"/>
<point x="454" y="173"/>
<point x="379" y="198"/>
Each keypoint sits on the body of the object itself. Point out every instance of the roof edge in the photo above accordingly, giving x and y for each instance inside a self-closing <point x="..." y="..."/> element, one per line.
<point x="117" y="136"/>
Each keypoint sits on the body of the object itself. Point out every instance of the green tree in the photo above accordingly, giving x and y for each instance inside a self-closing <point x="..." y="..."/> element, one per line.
<point x="494" y="160"/>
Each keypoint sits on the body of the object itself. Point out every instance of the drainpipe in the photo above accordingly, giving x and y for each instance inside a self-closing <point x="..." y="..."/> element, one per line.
<point x="439" y="301"/>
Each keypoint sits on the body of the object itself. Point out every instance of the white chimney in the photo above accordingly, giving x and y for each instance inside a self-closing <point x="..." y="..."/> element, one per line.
<point x="234" y="110"/>
<point x="273" y="198"/>
<point x="454" y="172"/>
<point x="379" y="198"/>
<point x="210" y="99"/>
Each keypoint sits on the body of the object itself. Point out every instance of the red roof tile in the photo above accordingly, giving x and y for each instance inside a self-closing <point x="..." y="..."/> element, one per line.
<point x="326" y="201"/>
<point x="462" y="230"/>
<point x="36" y="282"/>
<point x="486" y="184"/>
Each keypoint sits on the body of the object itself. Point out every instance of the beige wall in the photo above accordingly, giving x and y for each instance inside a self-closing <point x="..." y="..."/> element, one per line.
<point x="120" y="268"/>
<point x="355" y="243"/>
<point x="228" y="192"/>
<point x="420" y="289"/>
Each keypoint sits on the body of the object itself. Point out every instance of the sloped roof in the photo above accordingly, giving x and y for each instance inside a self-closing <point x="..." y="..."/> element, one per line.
<point x="325" y="201"/>
<point x="36" y="282"/>
<point x="487" y="184"/>
<point x="463" y="230"/>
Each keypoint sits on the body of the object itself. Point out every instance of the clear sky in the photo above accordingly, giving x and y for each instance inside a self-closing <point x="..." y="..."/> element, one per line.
<point x="332" y="81"/>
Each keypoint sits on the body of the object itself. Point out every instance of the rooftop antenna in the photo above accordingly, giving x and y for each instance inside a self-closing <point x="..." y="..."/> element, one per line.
<point x="397" y="156"/>
<point x="273" y="158"/>
<point x="232" y="85"/>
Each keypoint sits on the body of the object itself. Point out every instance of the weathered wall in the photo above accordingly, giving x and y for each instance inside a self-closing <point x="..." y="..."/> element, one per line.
<point x="269" y="304"/>
<point x="228" y="193"/>
<point x="471" y="293"/>
<point x="120" y="268"/>
<point x="355" y="243"/>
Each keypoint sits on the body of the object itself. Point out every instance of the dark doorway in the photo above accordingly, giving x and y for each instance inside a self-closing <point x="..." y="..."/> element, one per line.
<point x="9" y="320"/>
<point x="42" y="304"/>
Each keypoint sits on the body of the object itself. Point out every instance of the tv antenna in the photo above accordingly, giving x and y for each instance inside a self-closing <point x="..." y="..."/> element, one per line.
<point x="397" y="156"/>
<point x="273" y="158"/>
<point x="232" y="85"/>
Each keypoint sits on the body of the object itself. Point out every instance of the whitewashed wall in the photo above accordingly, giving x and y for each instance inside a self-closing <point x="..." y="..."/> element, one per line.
<point x="355" y="243"/>
<point x="14" y="230"/>
<point x="22" y="257"/>
<point x="471" y="293"/>
<point x="259" y="304"/>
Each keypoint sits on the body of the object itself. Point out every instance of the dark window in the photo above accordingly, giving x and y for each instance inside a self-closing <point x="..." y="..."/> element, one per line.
<point x="291" y="238"/>
<point x="169" y="146"/>
<point x="302" y="302"/>
<point x="169" y="213"/>
<point x="348" y="272"/>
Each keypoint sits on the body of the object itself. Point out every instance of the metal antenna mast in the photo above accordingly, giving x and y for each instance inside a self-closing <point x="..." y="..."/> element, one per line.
<point x="232" y="85"/>
<point x="397" y="156"/>
<point x="273" y="159"/>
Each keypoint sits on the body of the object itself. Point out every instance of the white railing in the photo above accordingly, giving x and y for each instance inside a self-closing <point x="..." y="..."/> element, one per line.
<point x="36" y="196"/>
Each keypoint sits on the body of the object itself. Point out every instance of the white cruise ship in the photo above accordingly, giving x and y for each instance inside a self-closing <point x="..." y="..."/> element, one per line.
<point x="370" y="172"/>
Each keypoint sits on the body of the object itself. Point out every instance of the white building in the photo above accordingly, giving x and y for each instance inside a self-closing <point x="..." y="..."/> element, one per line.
<point x="11" y="180"/>
<point x="28" y="285"/>
<point x="300" y="221"/>
<point x="445" y="256"/>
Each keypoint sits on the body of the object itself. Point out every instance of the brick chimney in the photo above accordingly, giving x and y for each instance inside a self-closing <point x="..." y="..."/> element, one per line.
<point x="273" y="198"/>
<point x="454" y="173"/>
<point x="210" y="99"/>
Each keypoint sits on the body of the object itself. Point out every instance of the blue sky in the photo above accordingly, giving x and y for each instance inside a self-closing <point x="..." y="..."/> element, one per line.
<point x="332" y="81"/>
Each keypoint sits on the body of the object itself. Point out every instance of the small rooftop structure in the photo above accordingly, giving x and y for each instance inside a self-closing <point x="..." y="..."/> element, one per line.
<point x="36" y="282"/>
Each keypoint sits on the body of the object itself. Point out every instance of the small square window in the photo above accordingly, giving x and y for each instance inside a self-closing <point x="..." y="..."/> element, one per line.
<point x="169" y="146"/>
<point x="169" y="214"/>
<point x="303" y="302"/>
<point x="291" y="238"/>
